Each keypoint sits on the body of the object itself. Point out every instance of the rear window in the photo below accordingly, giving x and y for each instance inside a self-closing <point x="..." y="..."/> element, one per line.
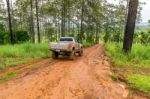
<point x="66" y="39"/>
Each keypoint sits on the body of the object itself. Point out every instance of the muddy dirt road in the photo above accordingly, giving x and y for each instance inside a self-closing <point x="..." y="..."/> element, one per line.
<point x="88" y="77"/>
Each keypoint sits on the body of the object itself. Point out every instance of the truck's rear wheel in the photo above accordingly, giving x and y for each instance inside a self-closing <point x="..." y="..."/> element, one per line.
<point x="55" y="55"/>
<point x="81" y="53"/>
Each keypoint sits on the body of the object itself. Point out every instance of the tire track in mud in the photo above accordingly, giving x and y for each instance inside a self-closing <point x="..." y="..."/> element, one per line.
<point x="88" y="77"/>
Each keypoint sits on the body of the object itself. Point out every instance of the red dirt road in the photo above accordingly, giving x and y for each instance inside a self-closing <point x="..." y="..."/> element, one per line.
<point x="88" y="77"/>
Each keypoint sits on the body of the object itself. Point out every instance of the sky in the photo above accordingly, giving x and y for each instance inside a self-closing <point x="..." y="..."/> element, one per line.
<point x="145" y="12"/>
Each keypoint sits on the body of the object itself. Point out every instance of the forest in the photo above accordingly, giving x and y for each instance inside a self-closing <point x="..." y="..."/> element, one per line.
<point x="28" y="26"/>
<point x="45" y="20"/>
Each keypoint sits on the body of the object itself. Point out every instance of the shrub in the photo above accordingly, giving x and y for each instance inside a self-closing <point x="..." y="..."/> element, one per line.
<point x="3" y="35"/>
<point x="142" y="37"/>
<point x="22" y="36"/>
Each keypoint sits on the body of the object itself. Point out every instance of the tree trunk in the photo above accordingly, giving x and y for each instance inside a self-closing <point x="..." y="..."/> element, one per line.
<point x="32" y="22"/>
<point x="97" y="35"/>
<point x="130" y="26"/>
<point x="10" y="23"/>
<point x="81" y="31"/>
<point x="63" y="18"/>
<point x="37" y="18"/>
<point x="13" y="21"/>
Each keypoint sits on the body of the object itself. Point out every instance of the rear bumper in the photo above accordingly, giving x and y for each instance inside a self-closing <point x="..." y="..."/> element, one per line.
<point x="60" y="50"/>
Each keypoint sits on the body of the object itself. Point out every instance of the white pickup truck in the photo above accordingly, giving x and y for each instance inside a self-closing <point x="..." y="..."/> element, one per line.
<point x="66" y="46"/>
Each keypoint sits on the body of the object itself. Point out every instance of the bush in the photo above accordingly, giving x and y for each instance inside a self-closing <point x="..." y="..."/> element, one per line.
<point x="22" y="36"/>
<point x="142" y="37"/>
<point x="3" y="35"/>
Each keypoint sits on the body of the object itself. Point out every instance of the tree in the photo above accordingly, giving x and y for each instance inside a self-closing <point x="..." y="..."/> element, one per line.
<point x="22" y="36"/>
<point x="84" y="19"/>
<point x="32" y="32"/>
<point x="130" y="26"/>
<point x="10" y="22"/>
<point x="82" y="12"/>
<point x="3" y="34"/>
<point x="37" y="18"/>
<point x="63" y="17"/>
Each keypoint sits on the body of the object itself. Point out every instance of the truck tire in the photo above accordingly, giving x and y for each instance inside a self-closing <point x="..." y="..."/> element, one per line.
<point x="72" y="55"/>
<point x="81" y="53"/>
<point x="55" y="55"/>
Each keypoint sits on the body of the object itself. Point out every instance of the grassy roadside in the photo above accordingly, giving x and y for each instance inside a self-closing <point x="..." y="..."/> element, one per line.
<point x="11" y="55"/>
<point x="134" y="67"/>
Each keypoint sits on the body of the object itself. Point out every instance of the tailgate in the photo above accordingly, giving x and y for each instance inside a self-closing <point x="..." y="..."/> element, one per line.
<point x="59" y="46"/>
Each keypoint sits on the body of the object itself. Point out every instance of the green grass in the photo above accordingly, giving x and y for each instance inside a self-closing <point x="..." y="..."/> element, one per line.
<point x="136" y="64"/>
<point x="140" y="82"/>
<point x="139" y="57"/>
<point x="86" y="44"/>
<point x="20" y="53"/>
<point x="8" y="77"/>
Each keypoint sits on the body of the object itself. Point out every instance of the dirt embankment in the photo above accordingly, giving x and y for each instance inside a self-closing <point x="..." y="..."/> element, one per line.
<point x="88" y="77"/>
